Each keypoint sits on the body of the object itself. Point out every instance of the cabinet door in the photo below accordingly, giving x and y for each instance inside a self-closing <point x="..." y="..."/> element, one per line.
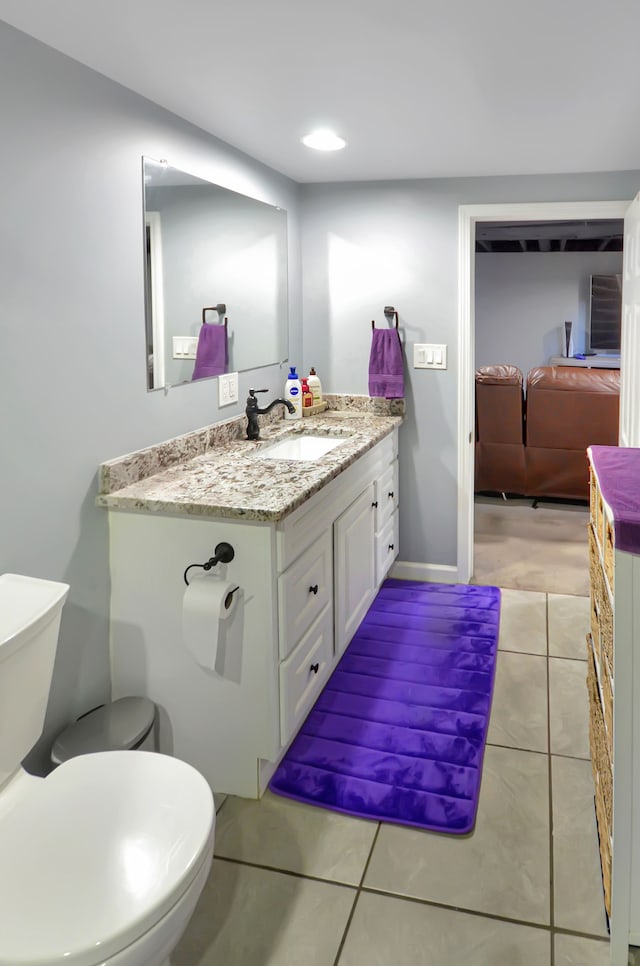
<point x="354" y="566"/>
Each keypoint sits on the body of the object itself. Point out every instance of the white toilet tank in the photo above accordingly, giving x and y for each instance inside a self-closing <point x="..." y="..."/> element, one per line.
<point x="30" y="611"/>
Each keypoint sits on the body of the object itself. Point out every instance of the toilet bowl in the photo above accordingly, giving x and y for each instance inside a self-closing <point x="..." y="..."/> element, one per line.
<point x="104" y="860"/>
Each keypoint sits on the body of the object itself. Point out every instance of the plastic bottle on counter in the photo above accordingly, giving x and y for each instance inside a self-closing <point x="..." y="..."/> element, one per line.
<point x="307" y="395"/>
<point x="315" y="386"/>
<point x="293" y="393"/>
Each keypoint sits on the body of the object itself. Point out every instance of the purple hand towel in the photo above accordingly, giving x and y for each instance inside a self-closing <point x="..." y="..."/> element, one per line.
<point x="212" y="355"/>
<point x="386" y="370"/>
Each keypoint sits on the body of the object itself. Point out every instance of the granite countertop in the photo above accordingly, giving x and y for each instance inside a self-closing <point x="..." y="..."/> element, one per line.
<point x="215" y="473"/>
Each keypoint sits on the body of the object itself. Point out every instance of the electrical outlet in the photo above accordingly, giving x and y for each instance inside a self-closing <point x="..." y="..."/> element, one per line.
<point x="228" y="389"/>
<point x="429" y="356"/>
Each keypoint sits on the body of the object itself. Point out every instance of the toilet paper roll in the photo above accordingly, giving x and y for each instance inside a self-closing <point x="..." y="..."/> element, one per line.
<point x="207" y="602"/>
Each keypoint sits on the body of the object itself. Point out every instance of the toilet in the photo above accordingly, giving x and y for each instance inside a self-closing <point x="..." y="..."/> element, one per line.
<point x="104" y="860"/>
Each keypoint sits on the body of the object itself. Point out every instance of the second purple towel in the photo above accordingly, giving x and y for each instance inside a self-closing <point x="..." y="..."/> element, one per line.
<point x="386" y="364"/>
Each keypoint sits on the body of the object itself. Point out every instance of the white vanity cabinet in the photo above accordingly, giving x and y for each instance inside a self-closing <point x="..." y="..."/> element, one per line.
<point x="306" y="583"/>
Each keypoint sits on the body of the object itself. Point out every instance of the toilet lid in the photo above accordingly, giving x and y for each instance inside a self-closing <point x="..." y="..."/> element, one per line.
<point x="97" y="853"/>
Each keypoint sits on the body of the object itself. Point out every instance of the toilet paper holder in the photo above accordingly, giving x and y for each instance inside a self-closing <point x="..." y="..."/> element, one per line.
<point x="223" y="553"/>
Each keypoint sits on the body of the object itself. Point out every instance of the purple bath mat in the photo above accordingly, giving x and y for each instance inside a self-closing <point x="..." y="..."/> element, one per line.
<point x="398" y="733"/>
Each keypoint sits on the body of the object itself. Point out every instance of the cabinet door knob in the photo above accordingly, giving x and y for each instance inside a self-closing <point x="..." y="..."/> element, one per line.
<point x="375" y="503"/>
<point x="391" y="546"/>
<point x="315" y="668"/>
<point x="314" y="589"/>
<point x="391" y="495"/>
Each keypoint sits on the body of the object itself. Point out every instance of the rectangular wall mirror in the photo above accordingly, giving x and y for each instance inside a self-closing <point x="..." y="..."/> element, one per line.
<point x="208" y="248"/>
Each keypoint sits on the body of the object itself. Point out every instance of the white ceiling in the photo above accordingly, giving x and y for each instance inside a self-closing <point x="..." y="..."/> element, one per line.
<point x="419" y="88"/>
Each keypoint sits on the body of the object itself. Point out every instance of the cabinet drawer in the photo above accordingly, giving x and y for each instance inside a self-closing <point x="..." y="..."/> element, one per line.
<point x="303" y="591"/>
<point x="608" y="553"/>
<point x="601" y="610"/>
<point x="386" y="494"/>
<point x="593" y="499"/>
<point x="386" y="547"/>
<point x="304" y="673"/>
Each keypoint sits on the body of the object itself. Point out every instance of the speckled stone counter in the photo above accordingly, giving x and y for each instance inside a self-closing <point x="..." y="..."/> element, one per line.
<point x="215" y="472"/>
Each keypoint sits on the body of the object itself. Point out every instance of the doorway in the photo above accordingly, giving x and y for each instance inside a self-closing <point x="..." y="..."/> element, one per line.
<point x="469" y="216"/>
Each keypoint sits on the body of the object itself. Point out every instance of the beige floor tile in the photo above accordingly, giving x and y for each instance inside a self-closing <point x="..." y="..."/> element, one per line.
<point x="500" y="868"/>
<point x="574" y="951"/>
<point x="519" y="707"/>
<point x="578" y="897"/>
<point x="568" y="708"/>
<point x="523" y="622"/>
<point x="393" y="931"/>
<point x="568" y="626"/>
<point x="254" y="917"/>
<point x="284" y="834"/>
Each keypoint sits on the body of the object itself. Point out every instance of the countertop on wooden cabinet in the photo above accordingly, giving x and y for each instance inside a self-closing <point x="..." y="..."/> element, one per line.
<point x="215" y="472"/>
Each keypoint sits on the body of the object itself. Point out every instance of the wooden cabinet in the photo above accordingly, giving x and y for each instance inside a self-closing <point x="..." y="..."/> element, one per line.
<point x="613" y="684"/>
<point x="306" y="583"/>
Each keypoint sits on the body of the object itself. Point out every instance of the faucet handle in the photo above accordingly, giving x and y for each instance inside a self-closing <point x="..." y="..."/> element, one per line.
<point x="252" y="392"/>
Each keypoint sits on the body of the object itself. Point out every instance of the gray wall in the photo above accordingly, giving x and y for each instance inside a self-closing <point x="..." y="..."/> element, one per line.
<point x="72" y="353"/>
<point x="368" y="245"/>
<point x="522" y="301"/>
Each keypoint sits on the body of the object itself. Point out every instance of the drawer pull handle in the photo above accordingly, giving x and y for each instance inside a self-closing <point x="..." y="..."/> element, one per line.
<point x="375" y="503"/>
<point x="314" y="589"/>
<point x="315" y="668"/>
<point x="391" y="546"/>
<point x="391" y="495"/>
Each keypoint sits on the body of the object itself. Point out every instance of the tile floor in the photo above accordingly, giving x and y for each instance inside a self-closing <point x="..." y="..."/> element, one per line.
<point x="294" y="885"/>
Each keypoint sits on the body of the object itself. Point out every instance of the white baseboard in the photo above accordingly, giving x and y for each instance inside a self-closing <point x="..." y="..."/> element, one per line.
<point x="434" y="573"/>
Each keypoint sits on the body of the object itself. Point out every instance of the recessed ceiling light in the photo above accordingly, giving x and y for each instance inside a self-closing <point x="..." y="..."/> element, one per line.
<point x="324" y="140"/>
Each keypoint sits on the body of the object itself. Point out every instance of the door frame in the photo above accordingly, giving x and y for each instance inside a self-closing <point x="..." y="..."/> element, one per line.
<point x="468" y="215"/>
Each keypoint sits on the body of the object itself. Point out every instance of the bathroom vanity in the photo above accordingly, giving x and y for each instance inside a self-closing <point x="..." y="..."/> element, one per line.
<point x="313" y="541"/>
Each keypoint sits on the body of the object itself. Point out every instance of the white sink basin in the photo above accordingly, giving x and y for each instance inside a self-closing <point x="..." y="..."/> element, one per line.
<point x="299" y="448"/>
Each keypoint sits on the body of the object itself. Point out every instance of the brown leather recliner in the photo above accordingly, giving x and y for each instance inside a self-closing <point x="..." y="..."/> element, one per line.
<point x="500" y="461"/>
<point x="568" y="409"/>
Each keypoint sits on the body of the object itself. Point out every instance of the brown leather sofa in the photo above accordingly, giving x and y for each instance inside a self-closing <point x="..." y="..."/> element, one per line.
<point x="538" y="448"/>
<point x="568" y="409"/>
<point x="500" y="462"/>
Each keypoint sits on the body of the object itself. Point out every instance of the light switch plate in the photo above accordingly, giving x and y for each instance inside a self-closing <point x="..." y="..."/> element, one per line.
<point x="184" y="346"/>
<point x="228" y="389"/>
<point x="429" y="356"/>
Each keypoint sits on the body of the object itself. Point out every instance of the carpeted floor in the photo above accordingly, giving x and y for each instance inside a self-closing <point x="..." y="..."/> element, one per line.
<point x="543" y="549"/>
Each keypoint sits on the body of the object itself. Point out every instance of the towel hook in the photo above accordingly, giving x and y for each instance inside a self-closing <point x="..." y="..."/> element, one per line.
<point x="220" y="308"/>
<point x="390" y="313"/>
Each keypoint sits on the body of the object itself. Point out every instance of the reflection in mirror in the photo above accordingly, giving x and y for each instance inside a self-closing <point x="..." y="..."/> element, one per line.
<point x="214" y="259"/>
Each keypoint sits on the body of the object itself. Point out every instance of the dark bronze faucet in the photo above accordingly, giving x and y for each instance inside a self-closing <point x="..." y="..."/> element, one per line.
<point x="253" y="411"/>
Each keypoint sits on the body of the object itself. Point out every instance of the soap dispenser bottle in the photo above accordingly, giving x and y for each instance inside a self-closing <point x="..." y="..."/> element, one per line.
<point x="315" y="386"/>
<point x="293" y="393"/>
<point x="307" y="396"/>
